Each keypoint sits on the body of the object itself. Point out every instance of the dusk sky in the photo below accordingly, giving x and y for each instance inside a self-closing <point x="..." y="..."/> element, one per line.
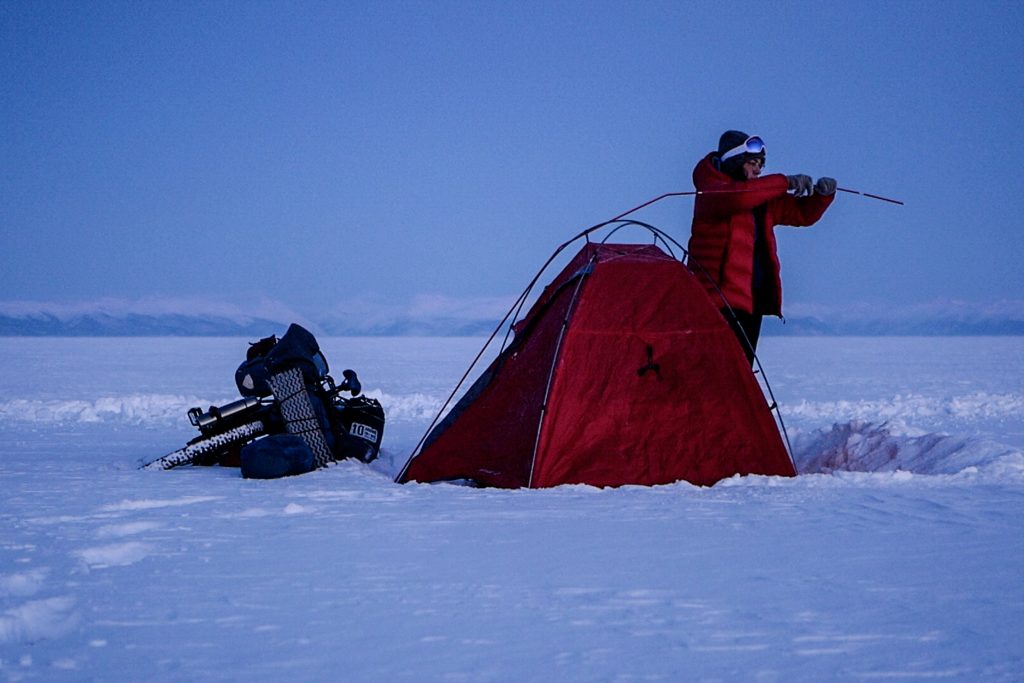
<point x="334" y="155"/>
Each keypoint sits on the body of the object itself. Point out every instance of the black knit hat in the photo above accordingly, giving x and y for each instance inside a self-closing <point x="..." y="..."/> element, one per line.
<point x="733" y="166"/>
<point x="730" y="139"/>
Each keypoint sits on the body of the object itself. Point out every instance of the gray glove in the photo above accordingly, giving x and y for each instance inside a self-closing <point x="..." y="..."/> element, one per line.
<point x="825" y="186"/>
<point x="801" y="185"/>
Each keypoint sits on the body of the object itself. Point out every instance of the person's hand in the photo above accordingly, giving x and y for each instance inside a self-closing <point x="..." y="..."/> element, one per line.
<point x="825" y="186"/>
<point x="801" y="185"/>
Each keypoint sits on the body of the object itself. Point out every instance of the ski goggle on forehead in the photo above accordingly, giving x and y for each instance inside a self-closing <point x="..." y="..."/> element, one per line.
<point x="752" y="145"/>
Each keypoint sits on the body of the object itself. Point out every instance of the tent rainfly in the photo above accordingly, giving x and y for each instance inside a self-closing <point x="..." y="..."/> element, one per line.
<point x="622" y="372"/>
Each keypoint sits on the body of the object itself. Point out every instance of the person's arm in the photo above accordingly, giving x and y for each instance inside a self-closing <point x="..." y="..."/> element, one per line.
<point x="800" y="211"/>
<point x="726" y="199"/>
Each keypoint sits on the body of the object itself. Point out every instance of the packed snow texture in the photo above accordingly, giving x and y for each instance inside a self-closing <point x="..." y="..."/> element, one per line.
<point x="895" y="555"/>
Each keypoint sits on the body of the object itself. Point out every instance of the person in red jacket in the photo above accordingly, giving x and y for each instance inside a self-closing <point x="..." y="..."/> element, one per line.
<point x="732" y="246"/>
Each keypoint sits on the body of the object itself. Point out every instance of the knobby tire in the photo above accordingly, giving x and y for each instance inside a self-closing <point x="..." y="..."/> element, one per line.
<point x="213" y="444"/>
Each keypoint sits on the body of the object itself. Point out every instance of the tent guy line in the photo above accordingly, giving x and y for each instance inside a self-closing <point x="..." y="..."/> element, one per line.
<point x="694" y="193"/>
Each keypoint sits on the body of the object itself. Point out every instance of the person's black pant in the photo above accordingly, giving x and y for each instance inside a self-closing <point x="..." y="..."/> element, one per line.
<point x="747" y="328"/>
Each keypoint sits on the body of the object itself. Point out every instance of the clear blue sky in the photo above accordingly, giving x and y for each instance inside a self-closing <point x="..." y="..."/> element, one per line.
<point x="318" y="153"/>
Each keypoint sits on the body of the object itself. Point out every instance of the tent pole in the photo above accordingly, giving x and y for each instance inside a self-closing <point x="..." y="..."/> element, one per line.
<point x="551" y="370"/>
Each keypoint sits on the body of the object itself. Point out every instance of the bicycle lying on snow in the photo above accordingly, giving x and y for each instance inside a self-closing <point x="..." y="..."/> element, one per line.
<point x="292" y="417"/>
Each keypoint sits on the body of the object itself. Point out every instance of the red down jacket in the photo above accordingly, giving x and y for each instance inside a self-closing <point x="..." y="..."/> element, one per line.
<point x="722" y="237"/>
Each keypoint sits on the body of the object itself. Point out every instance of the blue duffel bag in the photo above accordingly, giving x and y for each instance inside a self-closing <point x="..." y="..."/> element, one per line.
<point x="278" y="455"/>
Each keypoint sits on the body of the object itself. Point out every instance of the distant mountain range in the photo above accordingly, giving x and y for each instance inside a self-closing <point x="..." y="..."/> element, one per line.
<point x="814" y="327"/>
<point x="132" y="325"/>
<point x="438" y="316"/>
<point x="936" y="318"/>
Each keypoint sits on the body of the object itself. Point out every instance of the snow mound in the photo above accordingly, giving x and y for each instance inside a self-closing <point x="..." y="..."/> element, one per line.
<point x="114" y="554"/>
<point x="414" y="407"/>
<point x="976" y="405"/>
<point x="22" y="584"/>
<point x="139" y="409"/>
<point x="860" y="446"/>
<point x="35" y="619"/>
<point x="130" y="409"/>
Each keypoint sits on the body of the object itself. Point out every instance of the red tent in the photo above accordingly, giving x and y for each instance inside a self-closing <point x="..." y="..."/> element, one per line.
<point x="622" y="372"/>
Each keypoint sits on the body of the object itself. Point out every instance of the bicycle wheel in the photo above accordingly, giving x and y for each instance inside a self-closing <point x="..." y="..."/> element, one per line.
<point x="208" y="448"/>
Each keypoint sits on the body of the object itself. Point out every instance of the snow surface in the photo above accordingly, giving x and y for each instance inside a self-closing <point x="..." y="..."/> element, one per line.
<point x="896" y="554"/>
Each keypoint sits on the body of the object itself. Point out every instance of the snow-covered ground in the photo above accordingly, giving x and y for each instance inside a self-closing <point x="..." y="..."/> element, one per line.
<point x="897" y="554"/>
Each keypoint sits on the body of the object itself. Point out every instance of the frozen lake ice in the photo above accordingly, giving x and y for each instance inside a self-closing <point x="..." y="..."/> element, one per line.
<point x="895" y="555"/>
